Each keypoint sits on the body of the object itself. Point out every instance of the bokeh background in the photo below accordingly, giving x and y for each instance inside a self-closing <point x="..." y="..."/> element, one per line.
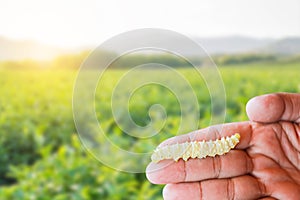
<point x="255" y="44"/>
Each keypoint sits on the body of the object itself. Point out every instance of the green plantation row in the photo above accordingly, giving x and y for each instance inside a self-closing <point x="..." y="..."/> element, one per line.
<point x="41" y="156"/>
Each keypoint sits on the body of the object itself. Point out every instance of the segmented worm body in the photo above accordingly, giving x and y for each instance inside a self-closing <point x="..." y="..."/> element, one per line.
<point x="196" y="149"/>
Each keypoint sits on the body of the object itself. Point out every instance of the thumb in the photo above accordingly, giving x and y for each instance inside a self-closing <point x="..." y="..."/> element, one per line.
<point x="274" y="107"/>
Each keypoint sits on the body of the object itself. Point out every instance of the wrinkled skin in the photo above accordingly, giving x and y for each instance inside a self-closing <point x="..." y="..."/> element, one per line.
<point x="264" y="165"/>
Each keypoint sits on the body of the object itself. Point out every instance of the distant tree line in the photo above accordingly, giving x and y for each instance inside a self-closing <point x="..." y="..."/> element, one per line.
<point x="244" y="58"/>
<point x="74" y="61"/>
<point x="129" y="61"/>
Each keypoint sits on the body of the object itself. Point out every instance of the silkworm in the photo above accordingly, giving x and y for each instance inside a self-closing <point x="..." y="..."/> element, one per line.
<point x="196" y="149"/>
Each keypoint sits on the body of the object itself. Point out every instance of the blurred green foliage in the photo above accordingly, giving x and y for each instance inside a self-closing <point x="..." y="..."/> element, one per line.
<point x="41" y="157"/>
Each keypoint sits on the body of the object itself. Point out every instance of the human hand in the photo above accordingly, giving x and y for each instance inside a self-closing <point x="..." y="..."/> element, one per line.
<point x="264" y="165"/>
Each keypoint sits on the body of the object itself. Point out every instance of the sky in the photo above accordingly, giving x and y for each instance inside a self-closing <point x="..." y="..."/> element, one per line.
<point x="74" y="23"/>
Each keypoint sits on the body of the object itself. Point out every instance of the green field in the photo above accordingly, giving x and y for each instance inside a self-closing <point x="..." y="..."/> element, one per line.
<point x="41" y="157"/>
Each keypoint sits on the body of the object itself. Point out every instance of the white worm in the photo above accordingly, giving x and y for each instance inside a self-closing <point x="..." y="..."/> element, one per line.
<point x="196" y="149"/>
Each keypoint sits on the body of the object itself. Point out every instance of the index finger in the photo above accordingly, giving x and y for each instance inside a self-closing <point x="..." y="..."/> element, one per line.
<point x="216" y="132"/>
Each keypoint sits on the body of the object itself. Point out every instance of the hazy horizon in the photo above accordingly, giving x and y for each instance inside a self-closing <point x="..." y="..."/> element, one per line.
<point x="11" y="49"/>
